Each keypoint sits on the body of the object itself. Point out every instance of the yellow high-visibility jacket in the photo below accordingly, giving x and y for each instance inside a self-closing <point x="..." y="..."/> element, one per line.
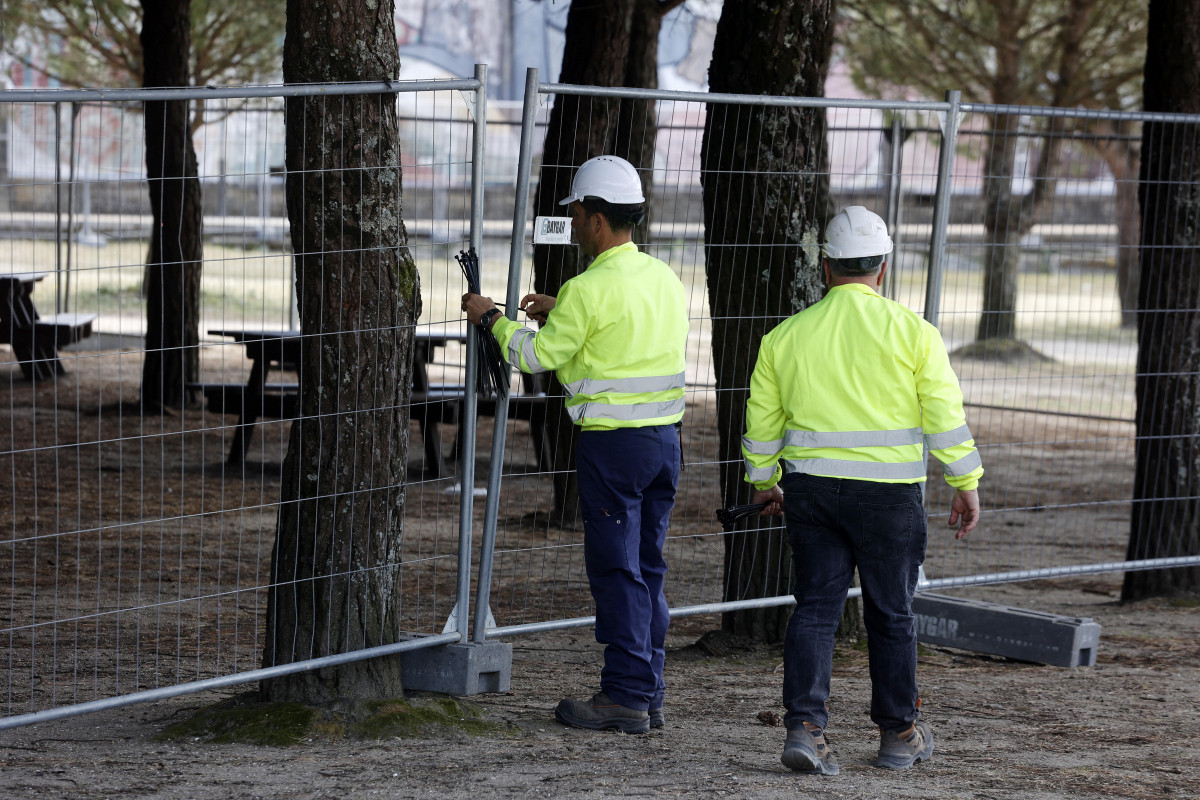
<point x="856" y="386"/>
<point x="616" y="337"/>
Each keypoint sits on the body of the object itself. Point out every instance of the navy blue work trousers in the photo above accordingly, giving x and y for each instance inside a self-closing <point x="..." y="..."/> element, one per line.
<point x="835" y="525"/>
<point x="627" y="480"/>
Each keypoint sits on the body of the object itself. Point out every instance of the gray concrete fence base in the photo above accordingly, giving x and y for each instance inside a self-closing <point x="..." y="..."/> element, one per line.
<point x="1006" y="631"/>
<point x="461" y="670"/>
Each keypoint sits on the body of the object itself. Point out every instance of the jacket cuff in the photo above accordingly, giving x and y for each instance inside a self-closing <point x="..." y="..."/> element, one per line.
<point x="763" y="486"/>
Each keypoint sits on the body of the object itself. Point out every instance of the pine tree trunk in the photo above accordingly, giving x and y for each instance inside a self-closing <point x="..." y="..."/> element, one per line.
<point x="1129" y="232"/>
<point x="1166" y="514"/>
<point x="766" y="193"/>
<point x="176" y="239"/>
<point x="1003" y="225"/>
<point x="335" y="586"/>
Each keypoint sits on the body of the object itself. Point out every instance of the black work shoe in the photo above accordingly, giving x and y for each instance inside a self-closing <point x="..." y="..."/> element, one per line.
<point x="600" y="713"/>
<point x="902" y="749"/>
<point x="807" y="751"/>
<point x="657" y="718"/>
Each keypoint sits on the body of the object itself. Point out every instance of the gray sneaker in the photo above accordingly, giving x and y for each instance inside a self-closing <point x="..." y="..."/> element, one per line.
<point x="657" y="718"/>
<point x="902" y="749"/>
<point x="601" y="713"/>
<point x="807" y="751"/>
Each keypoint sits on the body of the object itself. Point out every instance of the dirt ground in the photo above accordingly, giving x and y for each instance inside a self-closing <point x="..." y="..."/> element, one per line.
<point x="1126" y="728"/>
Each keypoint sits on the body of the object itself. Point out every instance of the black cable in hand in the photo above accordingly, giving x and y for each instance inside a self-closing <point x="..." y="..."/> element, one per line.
<point x="732" y="515"/>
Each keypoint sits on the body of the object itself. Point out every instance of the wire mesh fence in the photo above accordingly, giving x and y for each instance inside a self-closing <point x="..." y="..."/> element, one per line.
<point x="1033" y="285"/>
<point x="137" y="547"/>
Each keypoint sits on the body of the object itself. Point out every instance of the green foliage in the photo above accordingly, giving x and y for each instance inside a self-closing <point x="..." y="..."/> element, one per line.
<point x="1086" y="53"/>
<point x="96" y="43"/>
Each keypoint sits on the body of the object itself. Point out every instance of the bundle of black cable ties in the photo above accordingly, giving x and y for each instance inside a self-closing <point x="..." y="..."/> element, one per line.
<point x="732" y="515"/>
<point x="492" y="371"/>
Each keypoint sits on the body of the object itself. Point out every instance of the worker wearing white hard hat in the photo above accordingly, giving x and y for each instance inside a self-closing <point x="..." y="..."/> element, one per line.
<point x="616" y="336"/>
<point x="845" y="399"/>
<point x="610" y="178"/>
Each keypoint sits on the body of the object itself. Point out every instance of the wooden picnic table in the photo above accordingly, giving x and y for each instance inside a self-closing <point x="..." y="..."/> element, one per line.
<point x="280" y="350"/>
<point x="35" y="339"/>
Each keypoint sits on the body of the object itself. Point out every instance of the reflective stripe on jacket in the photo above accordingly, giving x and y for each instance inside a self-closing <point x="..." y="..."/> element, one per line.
<point x="856" y="386"/>
<point x="616" y="337"/>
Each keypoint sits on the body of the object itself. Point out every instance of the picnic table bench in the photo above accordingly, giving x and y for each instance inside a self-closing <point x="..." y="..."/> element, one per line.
<point x="280" y="350"/>
<point x="35" y="339"/>
<point x="432" y="404"/>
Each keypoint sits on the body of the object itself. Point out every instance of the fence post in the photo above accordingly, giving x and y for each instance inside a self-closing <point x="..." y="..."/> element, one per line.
<point x="892" y="200"/>
<point x="466" y="668"/>
<point x="470" y="398"/>
<point x="516" y="255"/>
<point x="58" y="234"/>
<point x="941" y="207"/>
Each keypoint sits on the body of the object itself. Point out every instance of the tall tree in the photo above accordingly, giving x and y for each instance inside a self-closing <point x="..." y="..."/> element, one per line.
<point x="608" y="43"/>
<point x="765" y="186"/>
<point x="1063" y="53"/>
<point x="334" y="587"/>
<point x="155" y="44"/>
<point x="96" y="43"/>
<point x="176" y="234"/>
<point x="1118" y="143"/>
<point x="1166" y="513"/>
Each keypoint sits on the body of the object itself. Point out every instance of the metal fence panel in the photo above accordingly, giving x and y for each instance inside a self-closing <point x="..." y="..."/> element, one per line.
<point x="1052" y="409"/>
<point x="136" y="548"/>
<point x="1039" y="311"/>
<point x="539" y="578"/>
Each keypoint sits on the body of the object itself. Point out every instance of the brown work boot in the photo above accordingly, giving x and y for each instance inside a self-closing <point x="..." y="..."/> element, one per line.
<point x="807" y="751"/>
<point x="902" y="749"/>
<point x="601" y="713"/>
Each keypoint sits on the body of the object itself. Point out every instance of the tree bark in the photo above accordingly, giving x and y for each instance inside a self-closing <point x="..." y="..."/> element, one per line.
<point x="1008" y="218"/>
<point x="766" y="196"/>
<point x="1166" y="513"/>
<point x="334" y="578"/>
<point x="176" y="238"/>
<point x="1122" y="159"/>
<point x="608" y="43"/>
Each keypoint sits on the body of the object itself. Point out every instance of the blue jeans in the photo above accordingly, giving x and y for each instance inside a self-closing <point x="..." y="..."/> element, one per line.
<point x="627" y="480"/>
<point x="835" y="525"/>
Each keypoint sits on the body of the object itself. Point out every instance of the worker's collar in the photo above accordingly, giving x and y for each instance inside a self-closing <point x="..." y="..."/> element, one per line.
<point x="861" y="288"/>
<point x="610" y="252"/>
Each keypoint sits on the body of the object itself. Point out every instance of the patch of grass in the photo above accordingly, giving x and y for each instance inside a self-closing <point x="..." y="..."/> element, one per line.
<point x="386" y="719"/>
<point x="1189" y="601"/>
<point x="248" y="720"/>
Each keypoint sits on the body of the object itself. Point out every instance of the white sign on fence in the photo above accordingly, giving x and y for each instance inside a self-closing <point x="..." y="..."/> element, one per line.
<point x="552" y="230"/>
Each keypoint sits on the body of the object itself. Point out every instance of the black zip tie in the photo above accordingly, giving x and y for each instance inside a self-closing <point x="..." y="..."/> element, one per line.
<point x="732" y="515"/>
<point x="491" y="369"/>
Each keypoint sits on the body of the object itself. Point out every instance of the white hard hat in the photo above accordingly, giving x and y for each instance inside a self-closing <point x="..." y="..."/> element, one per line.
<point x="609" y="178"/>
<point x="855" y="232"/>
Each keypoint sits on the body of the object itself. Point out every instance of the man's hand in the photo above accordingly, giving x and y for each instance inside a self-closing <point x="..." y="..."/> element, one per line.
<point x="773" y="497"/>
<point x="964" y="512"/>
<point x="537" y="306"/>
<point x="475" y="305"/>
